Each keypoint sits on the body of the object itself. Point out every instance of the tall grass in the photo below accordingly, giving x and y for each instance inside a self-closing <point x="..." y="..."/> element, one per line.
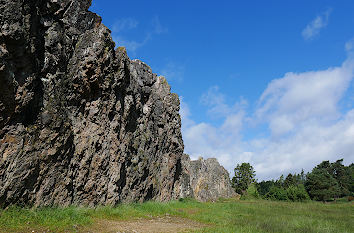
<point x="223" y="216"/>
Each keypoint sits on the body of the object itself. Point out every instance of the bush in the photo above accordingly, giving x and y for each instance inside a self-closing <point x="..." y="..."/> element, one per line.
<point x="264" y="187"/>
<point x="292" y="193"/>
<point x="297" y="193"/>
<point x="277" y="193"/>
<point x="251" y="193"/>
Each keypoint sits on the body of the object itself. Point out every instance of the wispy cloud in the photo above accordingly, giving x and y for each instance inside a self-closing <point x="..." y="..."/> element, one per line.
<point x="124" y="24"/>
<point x="173" y="71"/>
<point x="131" y="45"/>
<point x="157" y="27"/>
<point x="315" y="26"/>
<point x="349" y="47"/>
<point x="216" y="103"/>
<point x="121" y="28"/>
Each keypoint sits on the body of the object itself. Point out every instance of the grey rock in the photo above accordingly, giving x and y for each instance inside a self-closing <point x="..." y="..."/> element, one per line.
<point x="80" y="123"/>
<point x="205" y="180"/>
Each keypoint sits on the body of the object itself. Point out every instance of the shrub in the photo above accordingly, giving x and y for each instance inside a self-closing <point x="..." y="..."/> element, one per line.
<point x="251" y="193"/>
<point x="297" y="193"/>
<point x="277" y="193"/>
<point x="264" y="187"/>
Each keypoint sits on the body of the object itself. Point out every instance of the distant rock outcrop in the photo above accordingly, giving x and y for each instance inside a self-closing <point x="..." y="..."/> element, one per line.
<point x="205" y="180"/>
<point x="80" y="123"/>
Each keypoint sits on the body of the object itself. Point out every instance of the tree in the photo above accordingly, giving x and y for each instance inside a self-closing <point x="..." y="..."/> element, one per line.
<point x="251" y="192"/>
<point x="324" y="165"/>
<point x="302" y="177"/>
<point x="290" y="180"/>
<point x="277" y="193"/>
<point x="351" y="174"/>
<point x="342" y="174"/>
<point x="244" y="176"/>
<point x="280" y="182"/>
<point x="321" y="185"/>
<point x="290" y="189"/>
<point x="297" y="193"/>
<point x="339" y="172"/>
<point x="264" y="187"/>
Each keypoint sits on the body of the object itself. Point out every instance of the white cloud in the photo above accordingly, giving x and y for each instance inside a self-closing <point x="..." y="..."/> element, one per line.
<point x="185" y="114"/>
<point x="312" y="143"/>
<point x="296" y="98"/>
<point x="315" y="26"/>
<point x="208" y="141"/>
<point x="203" y="139"/>
<point x="302" y="113"/>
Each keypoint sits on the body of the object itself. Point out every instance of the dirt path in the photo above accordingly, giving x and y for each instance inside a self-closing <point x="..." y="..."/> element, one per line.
<point x="154" y="225"/>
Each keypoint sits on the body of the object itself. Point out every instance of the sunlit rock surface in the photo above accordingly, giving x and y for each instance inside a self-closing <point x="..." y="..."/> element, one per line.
<point x="80" y="123"/>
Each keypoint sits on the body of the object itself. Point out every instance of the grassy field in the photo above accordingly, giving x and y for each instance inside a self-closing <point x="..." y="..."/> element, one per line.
<point x="222" y="216"/>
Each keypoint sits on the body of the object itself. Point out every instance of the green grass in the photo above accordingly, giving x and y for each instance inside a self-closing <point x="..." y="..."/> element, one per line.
<point x="223" y="216"/>
<point x="15" y="219"/>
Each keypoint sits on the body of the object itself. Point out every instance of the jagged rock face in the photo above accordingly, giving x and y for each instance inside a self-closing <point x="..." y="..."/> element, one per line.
<point x="80" y="123"/>
<point x="205" y="180"/>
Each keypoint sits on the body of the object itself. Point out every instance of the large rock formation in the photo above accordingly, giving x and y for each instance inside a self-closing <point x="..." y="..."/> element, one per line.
<point x="205" y="180"/>
<point x="80" y="123"/>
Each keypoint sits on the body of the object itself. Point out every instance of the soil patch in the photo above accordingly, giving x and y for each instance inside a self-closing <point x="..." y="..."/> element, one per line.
<point x="153" y="225"/>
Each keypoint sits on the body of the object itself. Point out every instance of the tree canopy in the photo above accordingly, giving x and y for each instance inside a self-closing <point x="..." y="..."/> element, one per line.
<point x="244" y="176"/>
<point x="321" y="185"/>
<point x="326" y="182"/>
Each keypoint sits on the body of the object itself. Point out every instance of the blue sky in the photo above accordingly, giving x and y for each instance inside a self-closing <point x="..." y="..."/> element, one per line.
<point x="265" y="82"/>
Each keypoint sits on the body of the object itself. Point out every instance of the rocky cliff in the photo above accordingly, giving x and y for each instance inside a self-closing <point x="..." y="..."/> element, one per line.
<point x="204" y="180"/>
<point x="80" y="123"/>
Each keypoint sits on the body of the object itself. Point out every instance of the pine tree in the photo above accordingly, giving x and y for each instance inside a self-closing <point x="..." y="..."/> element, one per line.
<point x="321" y="185"/>
<point x="342" y="174"/>
<point x="351" y="175"/>
<point x="280" y="181"/>
<point x="302" y="177"/>
<point x="290" y="180"/>
<point x="244" y="176"/>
